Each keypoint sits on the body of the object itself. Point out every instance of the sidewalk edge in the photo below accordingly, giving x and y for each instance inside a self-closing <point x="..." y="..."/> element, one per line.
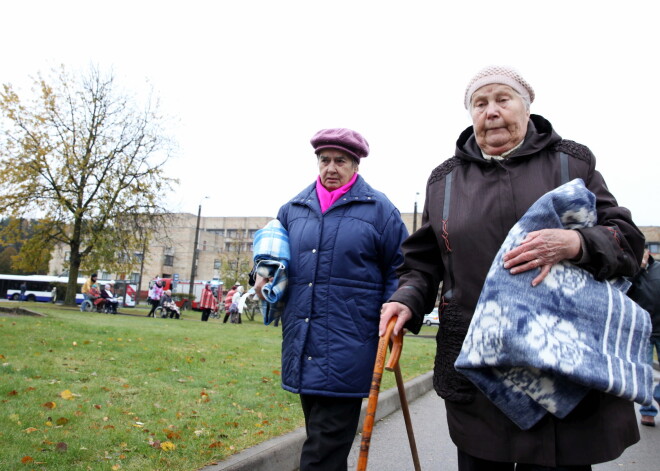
<point x="283" y="453"/>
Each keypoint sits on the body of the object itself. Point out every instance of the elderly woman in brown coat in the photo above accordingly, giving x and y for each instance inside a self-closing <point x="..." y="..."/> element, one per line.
<point x="503" y="163"/>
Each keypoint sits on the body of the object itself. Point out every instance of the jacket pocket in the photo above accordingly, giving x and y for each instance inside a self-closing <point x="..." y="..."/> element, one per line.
<point x="447" y="382"/>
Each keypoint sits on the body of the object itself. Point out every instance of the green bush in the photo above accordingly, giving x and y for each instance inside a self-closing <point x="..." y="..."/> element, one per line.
<point x="180" y="296"/>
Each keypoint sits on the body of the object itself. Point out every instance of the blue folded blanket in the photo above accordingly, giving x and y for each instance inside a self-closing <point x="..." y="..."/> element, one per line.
<point x="534" y="350"/>
<point x="271" y="254"/>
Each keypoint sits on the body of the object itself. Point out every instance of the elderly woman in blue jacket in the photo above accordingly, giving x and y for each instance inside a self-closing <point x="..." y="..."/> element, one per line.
<point x="345" y="240"/>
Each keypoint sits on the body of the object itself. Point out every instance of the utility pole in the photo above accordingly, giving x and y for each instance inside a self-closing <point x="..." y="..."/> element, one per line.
<point x="415" y="213"/>
<point x="194" y="258"/>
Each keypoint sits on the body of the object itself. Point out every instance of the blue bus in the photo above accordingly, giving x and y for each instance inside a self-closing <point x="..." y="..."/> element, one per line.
<point x="38" y="287"/>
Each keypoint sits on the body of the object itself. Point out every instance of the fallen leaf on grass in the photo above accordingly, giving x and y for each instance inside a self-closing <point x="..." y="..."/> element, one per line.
<point x="62" y="421"/>
<point x="216" y="445"/>
<point x="116" y="467"/>
<point x="67" y="395"/>
<point x="31" y="429"/>
<point x="27" y="459"/>
<point x="167" y="446"/>
<point x="12" y="393"/>
<point x="61" y="446"/>
<point x="49" y="405"/>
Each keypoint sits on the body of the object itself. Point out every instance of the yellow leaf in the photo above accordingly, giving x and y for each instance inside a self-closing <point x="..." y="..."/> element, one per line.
<point x="167" y="446"/>
<point x="31" y="429"/>
<point x="66" y="394"/>
<point x="49" y="405"/>
<point x="116" y="467"/>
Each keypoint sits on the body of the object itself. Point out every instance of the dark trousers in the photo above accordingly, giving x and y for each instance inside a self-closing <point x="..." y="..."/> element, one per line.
<point x="224" y="321"/>
<point x="470" y="463"/>
<point x="331" y="424"/>
<point x="205" y="314"/>
<point x="154" y="304"/>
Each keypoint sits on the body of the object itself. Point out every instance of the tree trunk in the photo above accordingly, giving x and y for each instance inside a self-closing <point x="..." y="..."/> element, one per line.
<point x="74" y="264"/>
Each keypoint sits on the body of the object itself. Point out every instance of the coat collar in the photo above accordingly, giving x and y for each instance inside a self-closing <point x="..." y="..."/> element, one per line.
<point x="360" y="192"/>
<point x="540" y="135"/>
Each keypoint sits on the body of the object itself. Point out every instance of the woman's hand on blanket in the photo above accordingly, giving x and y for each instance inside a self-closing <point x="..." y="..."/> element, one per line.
<point x="542" y="249"/>
<point x="394" y="309"/>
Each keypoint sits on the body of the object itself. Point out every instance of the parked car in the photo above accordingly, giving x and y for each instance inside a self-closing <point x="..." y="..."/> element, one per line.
<point x="432" y="318"/>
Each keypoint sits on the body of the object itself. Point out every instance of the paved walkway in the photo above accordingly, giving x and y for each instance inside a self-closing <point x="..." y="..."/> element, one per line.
<point x="390" y="451"/>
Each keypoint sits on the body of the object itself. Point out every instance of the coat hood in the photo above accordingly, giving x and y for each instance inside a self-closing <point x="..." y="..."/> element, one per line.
<point x="540" y="135"/>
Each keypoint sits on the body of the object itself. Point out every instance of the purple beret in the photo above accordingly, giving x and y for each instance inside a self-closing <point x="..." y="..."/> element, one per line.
<point x="343" y="139"/>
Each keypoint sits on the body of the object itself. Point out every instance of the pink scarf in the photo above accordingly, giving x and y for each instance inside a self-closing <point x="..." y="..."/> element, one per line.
<point x="327" y="198"/>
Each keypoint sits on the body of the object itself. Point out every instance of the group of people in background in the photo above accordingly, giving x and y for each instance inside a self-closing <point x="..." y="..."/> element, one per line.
<point x="234" y="303"/>
<point x="101" y="298"/>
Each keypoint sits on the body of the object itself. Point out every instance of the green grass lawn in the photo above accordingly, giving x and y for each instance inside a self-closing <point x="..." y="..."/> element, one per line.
<point x="101" y="392"/>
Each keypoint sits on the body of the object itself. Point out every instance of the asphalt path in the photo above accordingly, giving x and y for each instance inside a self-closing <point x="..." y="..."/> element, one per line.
<point x="390" y="451"/>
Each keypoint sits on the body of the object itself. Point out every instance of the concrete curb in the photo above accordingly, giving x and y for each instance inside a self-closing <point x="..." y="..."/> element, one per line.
<point x="283" y="453"/>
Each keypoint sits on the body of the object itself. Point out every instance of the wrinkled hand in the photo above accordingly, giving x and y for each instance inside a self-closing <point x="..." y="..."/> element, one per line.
<point x="393" y="309"/>
<point x="542" y="249"/>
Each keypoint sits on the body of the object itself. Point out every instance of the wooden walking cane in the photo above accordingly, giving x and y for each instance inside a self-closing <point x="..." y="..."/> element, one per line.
<point x="392" y="365"/>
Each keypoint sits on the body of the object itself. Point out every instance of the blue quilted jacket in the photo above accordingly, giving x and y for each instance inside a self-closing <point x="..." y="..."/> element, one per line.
<point x="341" y="271"/>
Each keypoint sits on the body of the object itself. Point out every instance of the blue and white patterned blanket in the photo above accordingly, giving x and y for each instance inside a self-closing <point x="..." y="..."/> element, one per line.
<point x="271" y="254"/>
<point x="534" y="350"/>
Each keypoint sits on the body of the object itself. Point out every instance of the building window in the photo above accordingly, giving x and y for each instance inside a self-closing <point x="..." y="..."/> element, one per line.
<point x="216" y="264"/>
<point x="203" y="245"/>
<point x="232" y="233"/>
<point x="137" y="256"/>
<point x="135" y="277"/>
<point x="168" y="260"/>
<point x="251" y="233"/>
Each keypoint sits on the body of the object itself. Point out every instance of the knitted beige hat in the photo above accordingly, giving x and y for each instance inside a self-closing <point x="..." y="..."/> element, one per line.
<point x="499" y="74"/>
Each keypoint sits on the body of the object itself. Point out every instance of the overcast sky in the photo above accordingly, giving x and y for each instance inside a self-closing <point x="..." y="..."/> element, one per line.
<point x="247" y="83"/>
